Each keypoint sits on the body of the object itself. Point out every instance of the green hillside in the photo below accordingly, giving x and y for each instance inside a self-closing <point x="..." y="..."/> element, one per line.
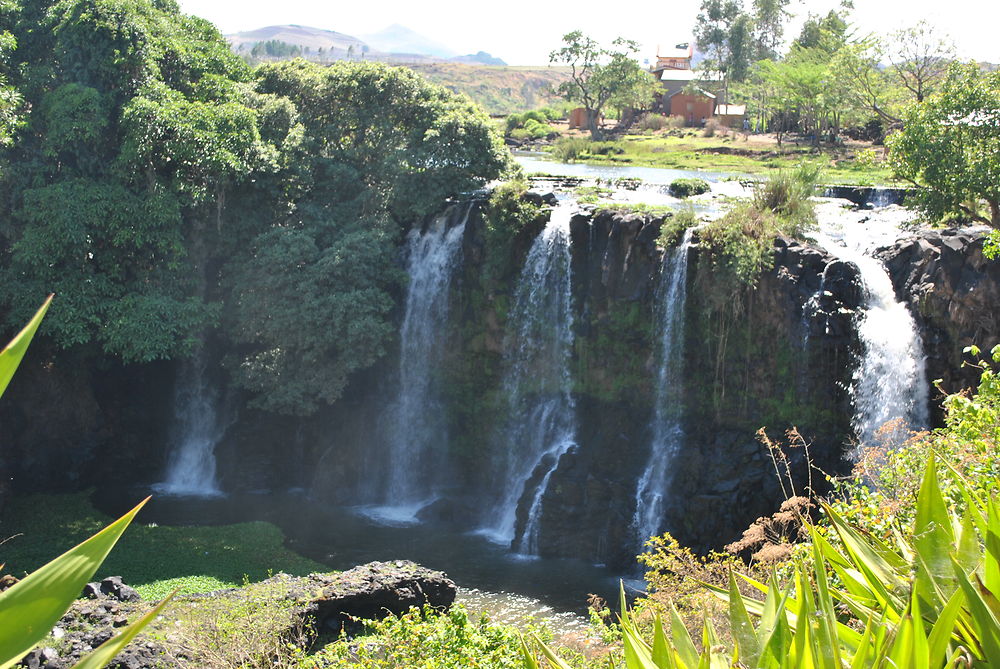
<point x="499" y="90"/>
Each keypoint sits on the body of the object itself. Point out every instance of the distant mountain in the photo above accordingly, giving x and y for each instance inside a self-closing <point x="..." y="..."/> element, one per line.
<point x="479" y="58"/>
<point x="400" y="39"/>
<point x="395" y="44"/>
<point x="300" y="36"/>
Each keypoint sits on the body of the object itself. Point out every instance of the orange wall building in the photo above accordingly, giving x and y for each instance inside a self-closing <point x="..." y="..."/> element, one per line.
<point x="696" y="109"/>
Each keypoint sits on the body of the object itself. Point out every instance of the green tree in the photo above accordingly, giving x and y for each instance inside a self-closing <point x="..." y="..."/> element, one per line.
<point x="135" y="132"/>
<point x="769" y="17"/>
<point x="367" y="150"/>
<point x="601" y="76"/>
<point x="950" y="147"/>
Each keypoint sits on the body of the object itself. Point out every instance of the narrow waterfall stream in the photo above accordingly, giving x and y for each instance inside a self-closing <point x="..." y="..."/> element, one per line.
<point x="197" y="429"/>
<point x="540" y="423"/>
<point x="667" y="430"/>
<point x="889" y="383"/>
<point x="414" y="424"/>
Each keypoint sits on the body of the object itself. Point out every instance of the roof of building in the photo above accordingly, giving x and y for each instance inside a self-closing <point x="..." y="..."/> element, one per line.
<point x="697" y="90"/>
<point x="690" y="75"/>
<point x="731" y="110"/>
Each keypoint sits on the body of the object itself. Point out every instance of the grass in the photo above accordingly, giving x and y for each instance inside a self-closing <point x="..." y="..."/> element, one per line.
<point x="688" y="150"/>
<point x="153" y="559"/>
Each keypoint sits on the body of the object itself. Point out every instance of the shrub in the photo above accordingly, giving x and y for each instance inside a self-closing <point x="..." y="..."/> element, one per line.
<point x="714" y="126"/>
<point x="676" y="122"/>
<point x="653" y="122"/>
<point x="568" y="149"/>
<point x="687" y="187"/>
<point x="534" y="124"/>
<point x="673" y="227"/>
<point x="788" y="194"/>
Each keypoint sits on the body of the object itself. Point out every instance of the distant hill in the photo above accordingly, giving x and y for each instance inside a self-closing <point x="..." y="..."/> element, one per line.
<point x="498" y="90"/>
<point x="395" y="44"/>
<point x="334" y="43"/>
<point x="480" y="58"/>
<point x="400" y="39"/>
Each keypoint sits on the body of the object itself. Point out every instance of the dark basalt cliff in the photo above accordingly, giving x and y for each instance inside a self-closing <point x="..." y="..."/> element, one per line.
<point x="776" y="355"/>
<point x="954" y="293"/>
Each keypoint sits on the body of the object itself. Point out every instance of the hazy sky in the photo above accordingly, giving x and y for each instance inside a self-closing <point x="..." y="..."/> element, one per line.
<point x="523" y="33"/>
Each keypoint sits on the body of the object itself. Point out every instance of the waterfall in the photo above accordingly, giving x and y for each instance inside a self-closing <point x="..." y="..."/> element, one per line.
<point x="889" y="383"/>
<point x="668" y="434"/>
<point x="415" y="425"/>
<point x="540" y="423"/>
<point x="198" y="427"/>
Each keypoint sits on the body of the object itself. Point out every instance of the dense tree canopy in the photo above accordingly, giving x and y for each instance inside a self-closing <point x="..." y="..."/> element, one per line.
<point x="950" y="147"/>
<point x="163" y="190"/>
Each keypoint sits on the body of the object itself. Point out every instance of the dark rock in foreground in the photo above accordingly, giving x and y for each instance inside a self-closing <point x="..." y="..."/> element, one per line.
<point x="332" y="601"/>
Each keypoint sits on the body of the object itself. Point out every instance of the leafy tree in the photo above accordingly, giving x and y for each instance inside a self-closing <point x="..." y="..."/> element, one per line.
<point x="801" y="83"/>
<point x="950" y="147"/>
<point x="136" y="128"/>
<point x="600" y="76"/>
<point x="828" y="33"/>
<point x="366" y="150"/>
<point x="769" y="17"/>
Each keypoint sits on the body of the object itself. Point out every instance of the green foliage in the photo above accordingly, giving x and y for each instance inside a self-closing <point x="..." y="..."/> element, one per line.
<point x="134" y="121"/>
<point x="674" y="225"/>
<point x="950" y="147"/>
<point x="857" y="600"/>
<point x="425" y="638"/>
<point x="683" y="188"/>
<point x="154" y="559"/>
<point x="507" y="213"/>
<point x="591" y="194"/>
<point x="529" y="125"/>
<point x="314" y="325"/>
<point x="740" y="244"/>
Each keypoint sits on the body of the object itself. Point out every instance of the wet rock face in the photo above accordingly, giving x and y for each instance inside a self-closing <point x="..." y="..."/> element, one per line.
<point x="953" y="291"/>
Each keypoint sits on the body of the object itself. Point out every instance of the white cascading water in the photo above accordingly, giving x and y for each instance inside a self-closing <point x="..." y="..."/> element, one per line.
<point x="668" y="433"/>
<point x="197" y="429"/>
<point x="415" y="428"/>
<point x="890" y="383"/>
<point x="540" y="424"/>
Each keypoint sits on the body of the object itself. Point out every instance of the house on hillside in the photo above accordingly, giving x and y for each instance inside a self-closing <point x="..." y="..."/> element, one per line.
<point x="686" y="93"/>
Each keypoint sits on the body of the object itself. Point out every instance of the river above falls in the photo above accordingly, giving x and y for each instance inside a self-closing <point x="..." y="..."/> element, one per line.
<point x="508" y="587"/>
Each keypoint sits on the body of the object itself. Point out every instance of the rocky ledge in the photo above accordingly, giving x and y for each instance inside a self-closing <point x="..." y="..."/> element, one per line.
<point x="287" y="608"/>
<point x="953" y="291"/>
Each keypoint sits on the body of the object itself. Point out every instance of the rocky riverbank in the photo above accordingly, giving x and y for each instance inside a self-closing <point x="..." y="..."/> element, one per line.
<point x="222" y="628"/>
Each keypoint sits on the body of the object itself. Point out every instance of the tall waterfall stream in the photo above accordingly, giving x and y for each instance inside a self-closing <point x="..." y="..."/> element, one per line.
<point x="667" y="431"/>
<point x="889" y="384"/>
<point x="414" y="425"/>
<point x="540" y="424"/>
<point x="198" y="427"/>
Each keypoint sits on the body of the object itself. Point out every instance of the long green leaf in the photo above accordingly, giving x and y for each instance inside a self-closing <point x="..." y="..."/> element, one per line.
<point x="747" y="646"/>
<point x="30" y="608"/>
<point x="553" y="659"/>
<point x="933" y="541"/>
<point x="11" y="356"/>
<point x="103" y="654"/>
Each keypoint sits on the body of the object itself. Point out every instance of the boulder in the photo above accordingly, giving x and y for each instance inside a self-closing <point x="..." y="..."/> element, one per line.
<point x="377" y="590"/>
